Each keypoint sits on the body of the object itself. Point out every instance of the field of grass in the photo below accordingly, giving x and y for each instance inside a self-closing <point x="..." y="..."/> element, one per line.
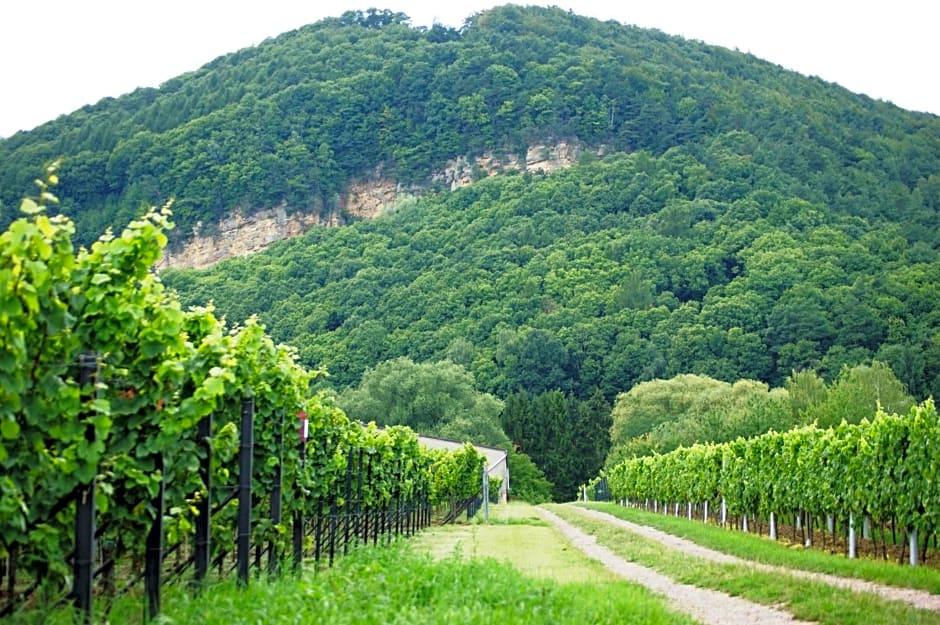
<point x="762" y="549"/>
<point x="805" y="599"/>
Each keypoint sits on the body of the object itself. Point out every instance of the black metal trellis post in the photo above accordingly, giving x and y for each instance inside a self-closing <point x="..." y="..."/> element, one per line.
<point x="11" y="573"/>
<point x="298" y="516"/>
<point x="332" y="534"/>
<point x="246" y="451"/>
<point x="83" y="568"/>
<point x="427" y="508"/>
<point x="318" y="532"/>
<point x="273" y="559"/>
<point x="398" y="498"/>
<point x="204" y="506"/>
<point x="378" y="522"/>
<point x="347" y="500"/>
<point x="153" y="559"/>
<point x="370" y="507"/>
<point x="358" y="496"/>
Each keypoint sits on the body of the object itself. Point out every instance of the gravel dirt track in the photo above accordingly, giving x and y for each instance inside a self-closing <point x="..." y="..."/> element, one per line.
<point x="917" y="598"/>
<point x="707" y="606"/>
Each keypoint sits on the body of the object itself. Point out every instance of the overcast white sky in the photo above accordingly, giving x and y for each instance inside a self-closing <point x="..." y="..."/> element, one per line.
<point x="58" y="55"/>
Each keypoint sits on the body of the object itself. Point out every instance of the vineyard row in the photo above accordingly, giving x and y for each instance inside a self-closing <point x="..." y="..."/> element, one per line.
<point x="882" y="470"/>
<point x="106" y="387"/>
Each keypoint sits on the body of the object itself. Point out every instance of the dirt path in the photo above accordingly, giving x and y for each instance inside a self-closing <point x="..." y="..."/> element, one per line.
<point x="916" y="598"/>
<point x="707" y="606"/>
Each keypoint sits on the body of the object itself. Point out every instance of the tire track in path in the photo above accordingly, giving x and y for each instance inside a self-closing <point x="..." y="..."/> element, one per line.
<point x="917" y="598"/>
<point x="706" y="606"/>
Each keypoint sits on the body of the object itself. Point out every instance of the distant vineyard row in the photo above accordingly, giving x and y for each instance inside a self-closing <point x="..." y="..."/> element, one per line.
<point x="884" y="469"/>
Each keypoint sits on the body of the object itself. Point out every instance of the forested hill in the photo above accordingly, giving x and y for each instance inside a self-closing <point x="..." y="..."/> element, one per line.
<point x="744" y="221"/>
<point x="293" y="119"/>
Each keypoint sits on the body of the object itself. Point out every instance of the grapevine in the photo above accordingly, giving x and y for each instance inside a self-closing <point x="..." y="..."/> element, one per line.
<point x="159" y="371"/>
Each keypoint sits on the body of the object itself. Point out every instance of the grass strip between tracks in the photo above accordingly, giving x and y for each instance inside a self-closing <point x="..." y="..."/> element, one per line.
<point x="762" y="549"/>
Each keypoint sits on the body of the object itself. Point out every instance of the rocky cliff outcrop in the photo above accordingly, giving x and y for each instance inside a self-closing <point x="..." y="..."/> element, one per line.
<point x="240" y="235"/>
<point x="544" y="158"/>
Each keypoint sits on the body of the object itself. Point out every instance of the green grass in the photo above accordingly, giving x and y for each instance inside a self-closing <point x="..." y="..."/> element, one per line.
<point x="397" y="585"/>
<point x="515" y="535"/>
<point x="805" y="599"/>
<point x="516" y="512"/>
<point x="762" y="549"/>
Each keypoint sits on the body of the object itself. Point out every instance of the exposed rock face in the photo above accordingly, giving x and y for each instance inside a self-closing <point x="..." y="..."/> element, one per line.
<point x="460" y="172"/>
<point x="367" y="199"/>
<point x="238" y="235"/>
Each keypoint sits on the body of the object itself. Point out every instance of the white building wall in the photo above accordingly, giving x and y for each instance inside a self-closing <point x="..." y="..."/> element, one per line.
<point x="497" y="460"/>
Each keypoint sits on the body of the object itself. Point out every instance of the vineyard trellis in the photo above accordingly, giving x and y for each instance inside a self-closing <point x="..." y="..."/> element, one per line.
<point x="880" y="472"/>
<point x="122" y="417"/>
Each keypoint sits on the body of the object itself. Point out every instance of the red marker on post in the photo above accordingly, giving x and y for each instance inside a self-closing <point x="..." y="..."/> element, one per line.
<point x="304" y="427"/>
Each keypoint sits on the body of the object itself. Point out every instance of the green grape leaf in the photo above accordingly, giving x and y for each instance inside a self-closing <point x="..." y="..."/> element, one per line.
<point x="9" y="428"/>
<point x="30" y="207"/>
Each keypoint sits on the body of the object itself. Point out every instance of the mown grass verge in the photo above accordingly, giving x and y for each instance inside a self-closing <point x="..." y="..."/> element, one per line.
<point x="396" y="585"/>
<point x="806" y="599"/>
<point x="762" y="549"/>
<point x="518" y="536"/>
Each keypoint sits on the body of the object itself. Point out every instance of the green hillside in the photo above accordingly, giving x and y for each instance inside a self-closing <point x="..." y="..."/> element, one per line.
<point x="295" y="117"/>
<point x="603" y="275"/>
<point x="744" y="221"/>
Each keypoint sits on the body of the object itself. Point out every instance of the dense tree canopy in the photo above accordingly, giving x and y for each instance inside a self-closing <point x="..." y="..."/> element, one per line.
<point x="571" y="282"/>
<point x="292" y="119"/>
<point x="568" y="439"/>
<point x="435" y="399"/>
<point x="661" y="415"/>
<point x="527" y="482"/>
